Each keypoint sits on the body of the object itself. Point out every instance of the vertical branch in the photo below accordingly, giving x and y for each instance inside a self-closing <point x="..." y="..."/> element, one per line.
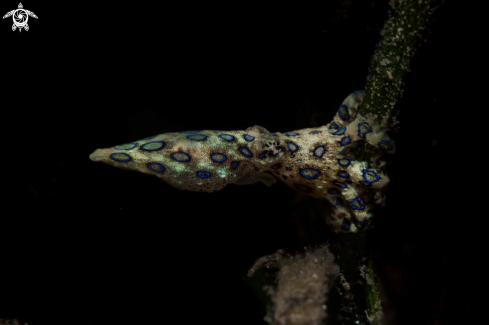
<point x="391" y="60"/>
<point x="397" y="46"/>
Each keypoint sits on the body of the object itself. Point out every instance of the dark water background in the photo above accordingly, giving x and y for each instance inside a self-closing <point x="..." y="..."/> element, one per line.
<point x="85" y="243"/>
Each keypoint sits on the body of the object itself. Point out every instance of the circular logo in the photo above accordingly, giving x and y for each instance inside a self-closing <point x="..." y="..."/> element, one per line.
<point x="20" y="17"/>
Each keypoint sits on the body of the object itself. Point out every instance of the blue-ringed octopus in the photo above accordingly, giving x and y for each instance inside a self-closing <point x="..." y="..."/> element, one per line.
<point x="320" y="162"/>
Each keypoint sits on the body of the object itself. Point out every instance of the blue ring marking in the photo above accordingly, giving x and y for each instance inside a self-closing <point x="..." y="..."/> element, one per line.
<point x="334" y="191"/>
<point x="340" y="131"/>
<point x="151" y="137"/>
<point x="248" y="137"/>
<point x="152" y="146"/>
<point x="291" y="134"/>
<point x="347" y="163"/>
<point x="197" y="137"/>
<point x="195" y="131"/>
<point x="292" y="146"/>
<point x="334" y="126"/>
<point x="386" y="145"/>
<point x="343" y="112"/>
<point x="339" y="201"/>
<point x="245" y="151"/>
<point x="359" y="206"/>
<point x="343" y="174"/>
<point x="120" y="157"/>
<point x="345" y="141"/>
<point x="227" y="137"/>
<point x="262" y="156"/>
<point x="345" y="226"/>
<point x="284" y="149"/>
<point x="309" y="173"/>
<point x="204" y="174"/>
<point x="218" y="157"/>
<point x="319" y="151"/>
<point x="273" y="134"/>
<point x="234" y="165"/>
<point x="377" y="177"/>
<point x="339" y="184"/>
<point x="360" y="225"/>
<point x="316" y="132"/>
<point x="361" y="133"/>
<point x="126" y="146"/>
<point x="155" y="167"/>
<point x="180" y="159"/>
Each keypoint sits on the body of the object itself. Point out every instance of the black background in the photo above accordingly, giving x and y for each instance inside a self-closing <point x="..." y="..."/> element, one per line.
<point x="85" y="243"/>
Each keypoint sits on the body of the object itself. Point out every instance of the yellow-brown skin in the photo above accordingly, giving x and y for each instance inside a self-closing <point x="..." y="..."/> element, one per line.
<point x="296" y="158"/>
